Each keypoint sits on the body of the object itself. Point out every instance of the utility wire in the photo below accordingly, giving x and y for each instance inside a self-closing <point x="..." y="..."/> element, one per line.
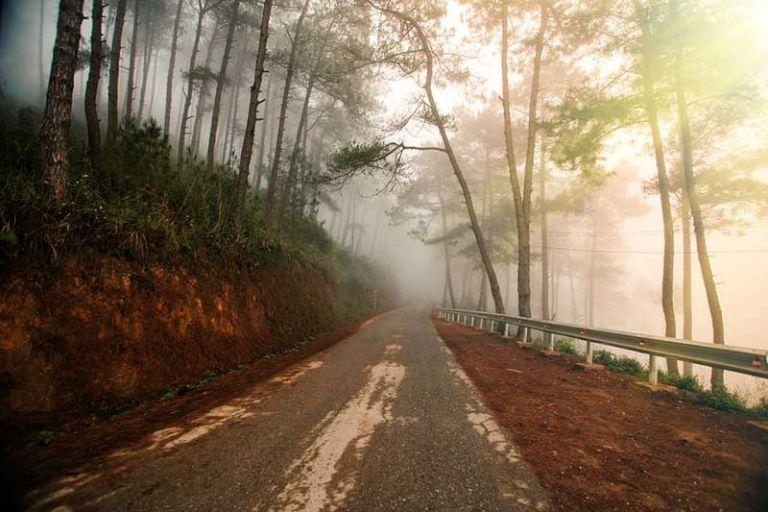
<point x="640" y="232"/>
<point x="620" y="251"/>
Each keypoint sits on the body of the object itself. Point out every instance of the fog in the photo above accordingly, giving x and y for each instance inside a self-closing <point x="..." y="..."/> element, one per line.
<point x="608" y="221"/>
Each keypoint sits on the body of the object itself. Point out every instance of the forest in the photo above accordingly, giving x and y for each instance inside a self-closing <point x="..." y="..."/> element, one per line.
<point x="499" y="134"/>
<point x="201" y="191"/>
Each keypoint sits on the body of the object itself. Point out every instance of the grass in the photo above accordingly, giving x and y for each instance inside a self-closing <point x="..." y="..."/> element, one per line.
<point x="562" y="345"/>
<point x="720" y="397"/>
<point x="565" y="346"/>
<point x="142" y="206"/>
<point x="621" y="364"/>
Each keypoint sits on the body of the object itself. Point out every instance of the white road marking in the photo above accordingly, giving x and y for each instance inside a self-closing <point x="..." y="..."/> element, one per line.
<point x="392" y="349"/>
<point x="486" y="426"/>
<point x="293" y="374"/>
<point x="172" y="437"/>
<point x="311" y="485"/>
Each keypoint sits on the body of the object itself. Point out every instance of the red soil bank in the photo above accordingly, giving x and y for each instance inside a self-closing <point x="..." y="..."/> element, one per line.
<point x="97" y="335"/>
<point x="600" y="441"/>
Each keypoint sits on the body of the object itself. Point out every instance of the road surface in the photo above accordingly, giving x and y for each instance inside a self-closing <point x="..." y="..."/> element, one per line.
<point x="383" y="420"/>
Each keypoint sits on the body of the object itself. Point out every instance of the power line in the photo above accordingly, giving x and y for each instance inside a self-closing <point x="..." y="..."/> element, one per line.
<point x="626" y="233"/>
<point x="621" y="251"/>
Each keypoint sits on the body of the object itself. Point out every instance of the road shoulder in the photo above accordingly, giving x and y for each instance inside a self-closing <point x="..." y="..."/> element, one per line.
<point x="598" y="441"/>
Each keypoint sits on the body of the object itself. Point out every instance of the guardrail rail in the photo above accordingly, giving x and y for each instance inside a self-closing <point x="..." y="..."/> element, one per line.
<point x="749" y="361"/>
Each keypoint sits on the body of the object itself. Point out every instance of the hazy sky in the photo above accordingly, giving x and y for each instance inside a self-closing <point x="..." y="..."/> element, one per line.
<point x="739" y="261"/>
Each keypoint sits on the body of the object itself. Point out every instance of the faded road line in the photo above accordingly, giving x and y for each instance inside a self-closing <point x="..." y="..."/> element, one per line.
<point x="318" y="480"/>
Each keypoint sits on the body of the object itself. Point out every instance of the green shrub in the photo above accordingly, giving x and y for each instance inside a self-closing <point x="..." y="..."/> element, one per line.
<point x="721" y="398"/>
<point x="691" y="384"/>
<point x="621" y="364"/>
<point x="565" y="346"/>
<point x="761" y="409"/>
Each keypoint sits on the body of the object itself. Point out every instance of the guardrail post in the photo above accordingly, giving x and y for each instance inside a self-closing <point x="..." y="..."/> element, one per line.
<point x="589" y="352"/>
<point x="550" y="341"/>
<point x="506" y="330"/>
<point x="653" y="370"/>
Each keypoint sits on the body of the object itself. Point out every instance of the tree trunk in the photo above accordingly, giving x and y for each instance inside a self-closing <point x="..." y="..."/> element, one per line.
<point x="233" y="104"/>
<point x="686" y="146"/>
<point x="221" y="80"/>
<point x="522" y="200"/>
<point x="57" y="117"/>
<point x="171" y="66"/>
<point x="446" y="250"/>
<point x="202" y="95"/>
<point x="40" y="49"/>
<point x="253" y="107"/>
<point x="475" y="225"/>
<point x="262" y="137"/>
<point x="154" y="83"/>
<point x="92" y="88"/>
<point x="149" y="38"/>
<point x="132" y="62"/>
<point x="190" y="85"/>
<point x="667" y="278"/>
<point x="545" y="314"/>
<point x="574" y="307"/>
<point x="272" y="187"/>
<point x="524" y="230"/>
<point x="114" y="73"/>
<point x="229" y="137"/>
<point x="296" y="147"/>
<point x="687" y="302"/>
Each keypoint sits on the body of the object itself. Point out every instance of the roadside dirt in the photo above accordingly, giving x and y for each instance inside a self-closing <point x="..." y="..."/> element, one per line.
<point x="600" y="441"/>
<point x="79" y="441"/>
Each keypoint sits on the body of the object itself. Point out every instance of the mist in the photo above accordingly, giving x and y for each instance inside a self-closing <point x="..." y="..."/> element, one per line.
<point x="605" y="229"/>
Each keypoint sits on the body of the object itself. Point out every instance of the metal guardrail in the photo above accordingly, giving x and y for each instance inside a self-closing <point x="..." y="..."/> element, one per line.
<point x="737" y="359"/>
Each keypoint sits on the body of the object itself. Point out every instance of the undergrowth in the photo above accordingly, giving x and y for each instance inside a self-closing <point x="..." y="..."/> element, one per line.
<point x="141" y="206"/>
<point x="562" y="345"/>
<point x="720" y="397"/>
<point x="621" y="364"/>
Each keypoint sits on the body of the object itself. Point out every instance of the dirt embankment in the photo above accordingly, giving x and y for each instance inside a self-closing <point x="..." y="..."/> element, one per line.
<point x="93" y="336"/>
<point x="599" y="441"/>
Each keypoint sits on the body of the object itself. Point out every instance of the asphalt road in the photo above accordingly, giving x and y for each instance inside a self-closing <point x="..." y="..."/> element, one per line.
<point x="383" y="420"/>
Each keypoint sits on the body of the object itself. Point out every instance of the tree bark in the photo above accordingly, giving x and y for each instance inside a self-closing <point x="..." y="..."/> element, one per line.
<point x="92" y="88"/>
<point x="545" y="314"/>
<point x="253" y="107"/>
<point x="149" y="38"/>
<point x="202" y="95"/>
<point x="296" y="147"/>
<point x="233" y="104"/>
<point x="171" y="68"/>
<point x="686" y="146"/>
<point x="132" y="62"/>
<point x="687" y="295"/>
<point x="221" y="80"/>
<point x="57" y="117"/>
<point x="475" y="225"/>
<point x="667" y="278"/>
<point x="589" y="310"/>
<point x="272" y="187"/>
<point x="446" y="249"/>
<point x="114" y="73"/>
<point x="262" y="140"/>
<point x="153" y="84"/>
<point x="190" y="82"/>
<point x="522" y="199"/>
<point x="40" y="50"/>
